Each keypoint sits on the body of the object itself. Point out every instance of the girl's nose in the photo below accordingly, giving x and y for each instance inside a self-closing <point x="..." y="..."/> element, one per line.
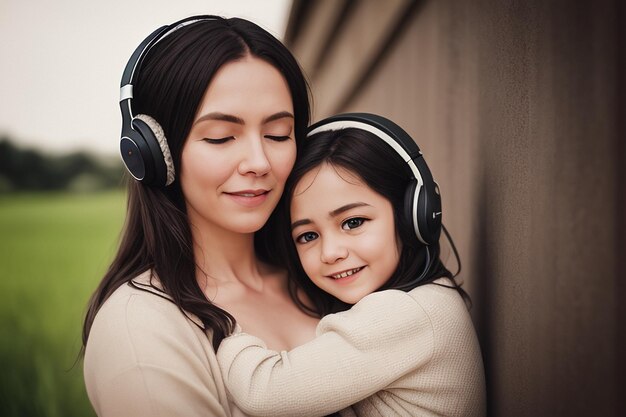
<point x="333" y="250"/>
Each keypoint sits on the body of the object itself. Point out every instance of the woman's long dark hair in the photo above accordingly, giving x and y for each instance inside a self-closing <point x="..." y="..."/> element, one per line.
<point x="383" y="170"/>
<point x="172" y="81"/>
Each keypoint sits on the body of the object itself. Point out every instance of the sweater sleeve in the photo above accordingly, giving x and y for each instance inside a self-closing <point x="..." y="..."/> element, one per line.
<point x="355" y="354"/>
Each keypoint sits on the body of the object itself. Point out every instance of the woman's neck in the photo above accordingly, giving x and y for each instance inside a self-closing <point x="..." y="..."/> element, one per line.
<point x="225" y="257"/>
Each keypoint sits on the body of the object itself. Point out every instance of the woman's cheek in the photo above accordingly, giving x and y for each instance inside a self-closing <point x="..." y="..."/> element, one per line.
<point x="284" y="162"/>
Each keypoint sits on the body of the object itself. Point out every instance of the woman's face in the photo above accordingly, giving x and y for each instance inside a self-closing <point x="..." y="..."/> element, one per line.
<point x="241" y="148"/>
<point x="344" y="233"/>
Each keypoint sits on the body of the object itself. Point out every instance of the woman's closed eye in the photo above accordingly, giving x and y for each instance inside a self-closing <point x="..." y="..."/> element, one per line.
<point x="219" y="140"/>
<point x="306" y="237"/>
<point x="279" y="130"/>
<point x="278" y="138"/>
<point x="353" y="223"/>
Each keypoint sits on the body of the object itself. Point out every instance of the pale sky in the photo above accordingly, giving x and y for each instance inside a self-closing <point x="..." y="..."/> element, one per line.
<point x="61" y="62"/>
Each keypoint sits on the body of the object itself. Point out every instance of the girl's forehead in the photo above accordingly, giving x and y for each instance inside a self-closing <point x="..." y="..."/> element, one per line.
<point x="329" y="174"/>
<point x="327" y="188"/>
<point x="326" y="196"/>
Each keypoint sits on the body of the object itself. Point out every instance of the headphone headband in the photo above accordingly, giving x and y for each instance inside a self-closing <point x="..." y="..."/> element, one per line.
<point x="400" y="150"/>
<point x="134" y="63"/>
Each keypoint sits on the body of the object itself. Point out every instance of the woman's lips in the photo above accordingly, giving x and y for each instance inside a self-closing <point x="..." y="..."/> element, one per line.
<point x="249" y="198"/>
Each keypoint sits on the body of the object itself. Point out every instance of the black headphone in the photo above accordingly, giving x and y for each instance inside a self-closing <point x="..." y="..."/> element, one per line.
<point x="422" y="201"/>
<point x="143" y="145"/>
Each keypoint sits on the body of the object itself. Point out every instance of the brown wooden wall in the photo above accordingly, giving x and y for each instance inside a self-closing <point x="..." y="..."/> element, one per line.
<point x="519" y="109"/>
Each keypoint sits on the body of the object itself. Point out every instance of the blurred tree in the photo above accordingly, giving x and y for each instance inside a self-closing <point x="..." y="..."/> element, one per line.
<point x="32" y="170"/>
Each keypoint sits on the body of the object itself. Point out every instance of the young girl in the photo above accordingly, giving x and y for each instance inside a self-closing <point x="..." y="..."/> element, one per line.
<point x="364" y="218"/>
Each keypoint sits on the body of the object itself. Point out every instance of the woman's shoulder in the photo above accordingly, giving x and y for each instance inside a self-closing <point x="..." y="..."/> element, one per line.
<point x="140" y="309"/>
<point x="142" y="302"/>
<point x="142" y="343"/>
<point x="141" y="325"/>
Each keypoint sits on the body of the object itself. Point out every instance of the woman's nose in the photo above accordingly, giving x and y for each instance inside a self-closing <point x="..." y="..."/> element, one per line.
<point x="255" y="160"/>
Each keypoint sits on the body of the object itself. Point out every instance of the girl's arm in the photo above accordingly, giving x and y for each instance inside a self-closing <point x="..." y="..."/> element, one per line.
<point x="356" y="353"/>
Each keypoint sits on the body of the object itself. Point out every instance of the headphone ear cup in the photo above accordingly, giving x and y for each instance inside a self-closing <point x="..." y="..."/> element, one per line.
<point x="150" y="130"/>
<point x="429" y="214"/>
<point x="136" y="155"/>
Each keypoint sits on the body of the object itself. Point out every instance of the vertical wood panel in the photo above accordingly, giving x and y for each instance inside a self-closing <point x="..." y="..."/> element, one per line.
<point x="519" y="109"/>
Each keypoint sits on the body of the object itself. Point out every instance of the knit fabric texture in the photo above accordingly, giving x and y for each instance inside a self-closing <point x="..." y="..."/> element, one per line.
<point x="393" y="353"/>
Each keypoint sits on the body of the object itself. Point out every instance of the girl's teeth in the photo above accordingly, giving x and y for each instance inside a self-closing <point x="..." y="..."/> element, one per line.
<point x="347" y="273"/>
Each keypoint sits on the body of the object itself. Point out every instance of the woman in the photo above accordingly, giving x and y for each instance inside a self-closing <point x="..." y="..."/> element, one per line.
<point x="233" y="104"/>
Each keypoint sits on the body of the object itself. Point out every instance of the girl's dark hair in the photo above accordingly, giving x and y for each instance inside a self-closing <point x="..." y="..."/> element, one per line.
<point x="383" y="170"/>
<point x="171" y="83"/>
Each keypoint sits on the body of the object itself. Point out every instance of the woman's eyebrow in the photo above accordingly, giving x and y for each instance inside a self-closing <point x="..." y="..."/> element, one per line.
<point x="276" y="116"/>
<point x="238" y="120"/>
<point x="220" y="116"/>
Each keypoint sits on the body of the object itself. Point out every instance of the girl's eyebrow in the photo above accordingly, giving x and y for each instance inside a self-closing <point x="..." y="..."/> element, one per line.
<point x="333" y="213"/>
<point x="347" y="207"/>
<point x="300" y="223"/>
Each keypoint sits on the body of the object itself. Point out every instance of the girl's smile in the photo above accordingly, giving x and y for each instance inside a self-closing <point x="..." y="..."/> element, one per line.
<point x="345" y="274"/>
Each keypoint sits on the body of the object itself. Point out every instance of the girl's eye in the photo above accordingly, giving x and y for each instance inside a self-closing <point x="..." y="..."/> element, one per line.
<point x="278" y="138"/>
<point x="306" y="237"/>
<point x="218" y="141"/>
<point x="352" y="223"/>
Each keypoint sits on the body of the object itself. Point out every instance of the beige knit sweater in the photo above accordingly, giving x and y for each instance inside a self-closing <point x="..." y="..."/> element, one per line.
<point x="146" y="358"/>
<point x="392" y="354"/>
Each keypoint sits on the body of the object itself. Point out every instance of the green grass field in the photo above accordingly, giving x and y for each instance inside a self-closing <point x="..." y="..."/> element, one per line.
<point x="54" y="249"/>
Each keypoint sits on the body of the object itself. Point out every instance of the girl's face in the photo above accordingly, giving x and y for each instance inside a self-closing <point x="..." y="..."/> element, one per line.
<point x="240" y="149"/>
<point x="344" y="233"/>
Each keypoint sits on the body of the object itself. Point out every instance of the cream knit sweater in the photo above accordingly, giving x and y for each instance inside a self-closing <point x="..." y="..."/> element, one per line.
<point x="392" y="354"/>
<point x="146" y="358"/>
